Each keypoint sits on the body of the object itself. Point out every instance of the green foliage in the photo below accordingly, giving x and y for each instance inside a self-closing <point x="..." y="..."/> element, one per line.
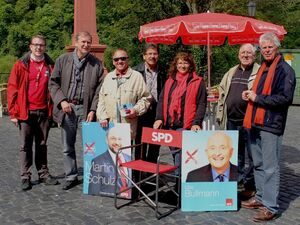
<point x="51" y="27"/>
<point x="7" y="18"/>
<point x="20" y="19"/>
<point x="24" y="9"/>
<point x="6" y="63"/>
<point x="231" y="7"/>
<point x="119" y="22"/>
<point x="223" y="58"/>
<point x="291" y="22"/>
<point x="18" y="38"/>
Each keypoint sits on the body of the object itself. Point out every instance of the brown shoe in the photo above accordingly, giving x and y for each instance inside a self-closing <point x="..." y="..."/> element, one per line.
<point x="264" y="215"/>
<point x="252" y="203"/>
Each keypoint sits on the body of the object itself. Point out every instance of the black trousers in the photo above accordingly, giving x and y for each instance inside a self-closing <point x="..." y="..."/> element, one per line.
<point x="246" y="175"/>
<point x="35" y="128"/>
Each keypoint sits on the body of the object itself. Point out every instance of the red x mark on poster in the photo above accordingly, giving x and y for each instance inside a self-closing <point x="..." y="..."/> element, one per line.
<point x="89" y="148"/>
<point x="191" y="156"/>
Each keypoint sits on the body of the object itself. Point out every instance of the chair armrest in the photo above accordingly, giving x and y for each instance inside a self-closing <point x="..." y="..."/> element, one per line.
<point x="126" y="147"/>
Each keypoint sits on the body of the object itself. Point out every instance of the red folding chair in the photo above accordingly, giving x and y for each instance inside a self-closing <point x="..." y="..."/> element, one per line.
<point x="161" y="174"/>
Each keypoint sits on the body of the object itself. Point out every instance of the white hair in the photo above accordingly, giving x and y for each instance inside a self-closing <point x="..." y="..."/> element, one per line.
<point x="270" y="36"/>
<point x="253" y="49"/>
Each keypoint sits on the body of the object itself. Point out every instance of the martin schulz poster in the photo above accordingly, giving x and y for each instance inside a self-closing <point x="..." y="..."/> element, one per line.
<point x="99" y="154"/>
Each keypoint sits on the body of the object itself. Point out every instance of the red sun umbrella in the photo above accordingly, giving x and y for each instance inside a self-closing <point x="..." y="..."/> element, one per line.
<point x="208" y="29"/>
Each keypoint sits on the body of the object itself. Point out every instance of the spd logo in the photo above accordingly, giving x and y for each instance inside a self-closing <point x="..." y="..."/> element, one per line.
<point x="162" y="137"/>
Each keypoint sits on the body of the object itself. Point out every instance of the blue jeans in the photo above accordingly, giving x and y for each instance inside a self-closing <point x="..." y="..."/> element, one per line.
<point x="68" y="135"/>
<point x="266" y="148"/>
<point x="177" y="155"/>
<point x="246" y="175"/>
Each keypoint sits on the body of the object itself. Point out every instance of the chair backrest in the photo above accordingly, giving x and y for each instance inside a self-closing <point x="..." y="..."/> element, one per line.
<point x="162" y="137"/>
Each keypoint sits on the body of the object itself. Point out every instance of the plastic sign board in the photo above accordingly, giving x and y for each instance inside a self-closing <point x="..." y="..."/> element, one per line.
<point x="99" y="146"/>
<point x="209" y="170"/>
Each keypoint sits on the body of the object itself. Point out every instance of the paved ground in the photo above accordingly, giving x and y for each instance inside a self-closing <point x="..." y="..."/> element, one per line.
<point x="52" y="206"/>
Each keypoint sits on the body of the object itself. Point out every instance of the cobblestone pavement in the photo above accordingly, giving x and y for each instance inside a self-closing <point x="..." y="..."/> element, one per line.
<point x="50" y="205"/>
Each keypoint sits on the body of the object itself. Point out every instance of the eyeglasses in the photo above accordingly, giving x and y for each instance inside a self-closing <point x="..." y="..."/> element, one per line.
<point x="120" y="58"/>
<point x="38" y="45"/>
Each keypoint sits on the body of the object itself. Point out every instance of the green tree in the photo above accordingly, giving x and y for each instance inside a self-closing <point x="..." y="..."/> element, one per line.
<point x="18" y="38"/>
<point x="6" y="63"/>
<point x="119" y="22"/>
<point x="53" y="28"/>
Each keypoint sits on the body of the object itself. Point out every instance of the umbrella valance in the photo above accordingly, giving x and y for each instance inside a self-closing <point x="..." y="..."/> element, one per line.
<point x="194" y="29"/>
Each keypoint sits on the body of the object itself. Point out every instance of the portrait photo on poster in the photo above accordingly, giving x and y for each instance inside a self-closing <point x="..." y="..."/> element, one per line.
<point x="209" y="156"/>
<point x="99" y="168"/>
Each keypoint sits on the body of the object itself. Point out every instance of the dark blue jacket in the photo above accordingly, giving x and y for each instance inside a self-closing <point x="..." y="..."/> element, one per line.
<point x="276" y="104"/>
<point x="147" y="119"/>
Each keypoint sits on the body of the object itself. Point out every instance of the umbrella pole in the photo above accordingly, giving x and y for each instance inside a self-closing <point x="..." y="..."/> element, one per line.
<point x="208" y="63"/>
<point x="209" y="119"/>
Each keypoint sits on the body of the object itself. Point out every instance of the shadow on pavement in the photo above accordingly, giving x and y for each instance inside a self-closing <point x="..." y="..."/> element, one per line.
<point x="289" y="179"/>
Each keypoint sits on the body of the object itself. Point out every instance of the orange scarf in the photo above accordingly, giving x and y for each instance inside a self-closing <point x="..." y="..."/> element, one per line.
<point x="260" y="112"/>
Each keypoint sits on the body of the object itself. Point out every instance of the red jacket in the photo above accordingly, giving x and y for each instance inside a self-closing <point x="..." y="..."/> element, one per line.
<point x="193" y="103"/>
<point x="18" y="86"/>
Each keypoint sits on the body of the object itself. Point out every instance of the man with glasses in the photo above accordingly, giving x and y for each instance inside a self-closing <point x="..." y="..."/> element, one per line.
<point x="30" y="109"/>
<point x="74" y="87"/>
<point x="155" y="79"/>
<point x="123" y="95"/>
<point x="266" y="115"/>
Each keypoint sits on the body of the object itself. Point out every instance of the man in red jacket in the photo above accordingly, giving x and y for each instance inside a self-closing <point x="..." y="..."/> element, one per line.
<point x="30" y="108"/>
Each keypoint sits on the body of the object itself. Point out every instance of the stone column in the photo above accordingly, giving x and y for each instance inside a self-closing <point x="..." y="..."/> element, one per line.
<point x="85" y="20"/>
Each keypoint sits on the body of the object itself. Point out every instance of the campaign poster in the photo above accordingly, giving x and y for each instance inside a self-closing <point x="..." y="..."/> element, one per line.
<point x="209" y="170"/>
<point x="99" y="148"/>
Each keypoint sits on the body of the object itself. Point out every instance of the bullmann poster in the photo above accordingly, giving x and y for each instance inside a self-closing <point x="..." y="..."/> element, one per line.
<point x="99" y="155"/>
<point x="209" y="170"/>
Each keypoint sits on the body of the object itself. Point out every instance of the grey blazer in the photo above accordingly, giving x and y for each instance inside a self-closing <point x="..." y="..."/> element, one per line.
<point x="60" y="79"/>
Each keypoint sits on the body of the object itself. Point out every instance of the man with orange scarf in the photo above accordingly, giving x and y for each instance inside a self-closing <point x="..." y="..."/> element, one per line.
<point x="266" y="115"/>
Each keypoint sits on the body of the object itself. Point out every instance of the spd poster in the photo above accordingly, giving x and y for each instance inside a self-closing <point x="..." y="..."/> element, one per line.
<point x="99" y="148"/>
<point x="209" y="170"/>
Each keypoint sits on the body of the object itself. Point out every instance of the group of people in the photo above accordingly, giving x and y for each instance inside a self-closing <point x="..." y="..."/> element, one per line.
<point x="253" y="100"/>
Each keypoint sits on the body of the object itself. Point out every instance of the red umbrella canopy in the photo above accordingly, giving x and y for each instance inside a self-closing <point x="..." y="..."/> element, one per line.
<point x="197" y="29"/>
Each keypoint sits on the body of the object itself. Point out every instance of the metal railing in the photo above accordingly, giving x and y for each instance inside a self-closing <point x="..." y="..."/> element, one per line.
<point x="3" y="98"/>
